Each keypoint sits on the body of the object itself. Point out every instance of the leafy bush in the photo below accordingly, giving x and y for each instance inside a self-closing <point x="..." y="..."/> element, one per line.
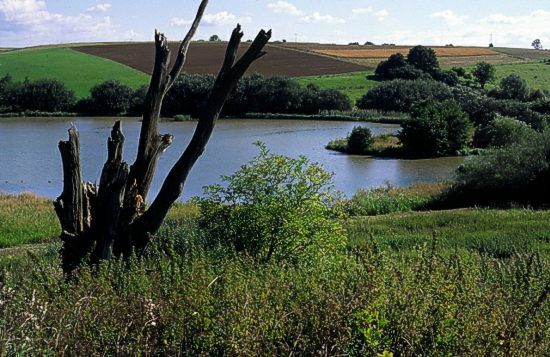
<point x="513" y="87"/>
<point x="273" y="208"/>
<point x="110" y="98"/>
<point x="188" y="95"/>
<point x="45" y="95"/>
<point x="484" y="73"/>
<point x="396" y="67"/>
<point x="359" y="140"/>
<point x="436" y="129"/>
<point x="450" y="78"/>
<point x="503" y="131"/>
<point x="514" y="173"/>
<point x="400" y="95"/>
<point x="423" y="58"/>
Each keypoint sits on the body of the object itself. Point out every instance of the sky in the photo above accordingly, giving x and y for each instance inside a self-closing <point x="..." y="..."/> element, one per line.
<point x="512" y="23"/>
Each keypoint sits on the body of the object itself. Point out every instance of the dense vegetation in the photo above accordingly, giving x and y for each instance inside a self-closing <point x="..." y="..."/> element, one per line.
<point x="253" y="94"/>
<point x="463" y="282"/>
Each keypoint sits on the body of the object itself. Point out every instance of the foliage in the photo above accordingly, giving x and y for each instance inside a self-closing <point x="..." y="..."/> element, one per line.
<point x="273" y="208"/>
<point x="214" y="38"/>
<point x="514" y="173"/>
<point x="44" y="95"/>
<point x="484" y="73"/>
<point x="390" y="199"/>
<point x="110" y="98"/>
<point x="436" y="129"/>
<point x="359" y="140"/>
<point x="503" y="131"/>
<point x="423" y="58"/>
<point x="537" y="45"/>
<point x="188" y="95"/>
<point x="401" y="95"/>
<point x="513" y="87"/>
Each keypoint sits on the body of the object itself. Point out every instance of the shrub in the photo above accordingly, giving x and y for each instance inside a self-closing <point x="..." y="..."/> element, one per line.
<point x="188" y="95"/>
<point x="514" y="173"/>
<point x="513" y="87"/>
<point x="484" y="73"/>
<point x="460" y="71"/>
<point x="273" y="208"/>
<point x="397" y="67"/>
<point x="423" y="58"/>
<point x="359" y="140"/>
<point x="46" y="95"/>
<point x="137" y="101"/>
<point x="110" y="98"/>
<point x="503" y="131"/>
<point x="436" y="129"/>
<point x="450" y="78"/>
<point x="400" y="95"/>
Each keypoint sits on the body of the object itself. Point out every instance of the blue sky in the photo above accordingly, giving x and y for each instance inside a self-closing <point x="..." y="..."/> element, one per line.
<point x="429" y="22"/>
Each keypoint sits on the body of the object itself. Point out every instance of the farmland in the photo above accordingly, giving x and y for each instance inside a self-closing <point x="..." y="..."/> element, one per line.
<point x="77" y="70"/>
<point x="207" y="57"/>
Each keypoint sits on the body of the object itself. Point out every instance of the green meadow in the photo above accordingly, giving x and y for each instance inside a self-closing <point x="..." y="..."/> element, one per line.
<point x="79" y="71"/>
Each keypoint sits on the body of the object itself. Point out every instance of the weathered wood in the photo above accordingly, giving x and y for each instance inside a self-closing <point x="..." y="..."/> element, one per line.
<point x="226" y="80"/>
<point x="111" y="219"/>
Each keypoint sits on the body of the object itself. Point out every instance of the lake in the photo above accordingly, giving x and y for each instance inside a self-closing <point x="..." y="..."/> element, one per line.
<point x="30" y="160"/>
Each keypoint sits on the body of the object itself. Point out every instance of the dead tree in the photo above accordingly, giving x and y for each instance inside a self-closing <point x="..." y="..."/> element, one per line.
<point x="111" y="219"/>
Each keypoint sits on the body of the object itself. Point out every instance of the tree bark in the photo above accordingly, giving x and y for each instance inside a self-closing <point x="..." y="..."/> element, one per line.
<point x="108" y="220"/>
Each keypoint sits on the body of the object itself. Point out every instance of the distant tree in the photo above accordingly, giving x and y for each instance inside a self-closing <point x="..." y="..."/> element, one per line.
<point x="214" y="38"/>
<point x="423" y="58"/>
<point x="537" y="45"/>
<point x="369" y="43"/>
<point x="436" y="129"/>
<point x="110" y="98"/>
<point x="284" y="41"/>
<point x="491" y="45"/>
<point x="47" y="95"/>
<point x="513" y="87"/>
<point x="360" y="139"/>
<point x="484" y="73"/>
<point x="353" y="44"/>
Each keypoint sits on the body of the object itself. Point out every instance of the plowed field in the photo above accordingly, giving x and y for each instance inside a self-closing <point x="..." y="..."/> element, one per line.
<point x="388" y="51"/>
<point x="207" y="58"/>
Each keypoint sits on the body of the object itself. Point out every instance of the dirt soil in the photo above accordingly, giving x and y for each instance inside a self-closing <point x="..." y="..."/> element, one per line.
<point x="206" y="57"/>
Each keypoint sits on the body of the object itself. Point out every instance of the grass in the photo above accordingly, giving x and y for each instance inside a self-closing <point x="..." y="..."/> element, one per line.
<point x="498" y="233"/>
<point x="26" y="219"/>
<point x="79" y="71"/>
<point x="354" y="85"/>
<point x="479" y="288"/>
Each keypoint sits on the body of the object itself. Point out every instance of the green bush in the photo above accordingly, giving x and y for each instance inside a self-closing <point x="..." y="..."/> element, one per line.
<point x="484" y="73"/>
<point x="513" y="87"/>
<point x="423" y="58"/>
<point x="504" y="131"/>
<point x="436" y="129"/>
<point x="110" y="98"/>
<point x="400" y="95"/>
<point x="359" y="140"/>
<point x="273" y="208"/>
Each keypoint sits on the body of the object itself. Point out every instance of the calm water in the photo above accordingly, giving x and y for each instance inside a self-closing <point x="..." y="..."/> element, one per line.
<point x="30" y="161"/>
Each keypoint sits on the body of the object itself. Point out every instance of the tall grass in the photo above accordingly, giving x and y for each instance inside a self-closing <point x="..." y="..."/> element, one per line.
<point x="362" y="303"/>
<point x="26" y="219"/>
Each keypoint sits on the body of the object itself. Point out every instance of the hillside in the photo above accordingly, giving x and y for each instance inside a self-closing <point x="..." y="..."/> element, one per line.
<point x="79" y="71"/>
<point x="206" y="57"/>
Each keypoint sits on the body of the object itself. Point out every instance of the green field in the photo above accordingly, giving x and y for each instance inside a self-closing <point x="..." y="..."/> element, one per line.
<point x="77" y="70"/>
<point x="536" y="74"/>
<point x="352" y="84"/>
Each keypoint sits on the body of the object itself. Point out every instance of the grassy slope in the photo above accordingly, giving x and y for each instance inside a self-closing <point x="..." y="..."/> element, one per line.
<point x="356" y="84"/>
<point x="353" y="84"/>
<point x="499" y="232"/>
<point x="77" y="70"/>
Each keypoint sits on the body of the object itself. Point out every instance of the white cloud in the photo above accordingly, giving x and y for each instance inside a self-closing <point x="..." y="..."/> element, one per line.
<point x="28" y="22"/>
<point x="449" y="17"/>
<point x="283" y="7"/>
<point x="224" y="18"/>
<point x="317" y="18"/>
<point x="501" y="19"/>
<point x="177" y="21"/>
<point x="103" y="7"/>
<point x="363" y="10"/>
<point x="380" y="15"/>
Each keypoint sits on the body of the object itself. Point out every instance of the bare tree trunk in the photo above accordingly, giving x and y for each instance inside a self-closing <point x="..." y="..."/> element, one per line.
<point x="111" y="219"/>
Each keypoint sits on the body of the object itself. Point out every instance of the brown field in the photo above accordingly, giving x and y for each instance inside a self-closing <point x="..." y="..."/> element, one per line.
<point x="385" y="52"/>
<point x="205" y="57"/>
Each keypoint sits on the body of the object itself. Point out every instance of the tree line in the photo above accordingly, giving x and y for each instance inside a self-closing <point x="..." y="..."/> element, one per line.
<point x="253" y="94"/>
